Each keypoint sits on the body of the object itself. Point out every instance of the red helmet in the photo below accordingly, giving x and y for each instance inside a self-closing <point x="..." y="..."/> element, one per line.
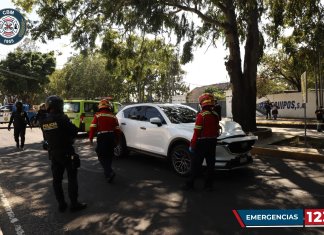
<point x="206" y="99"/>
<point x="104" y="104"/>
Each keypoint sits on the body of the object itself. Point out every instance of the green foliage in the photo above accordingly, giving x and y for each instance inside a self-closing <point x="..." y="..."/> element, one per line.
<point x="298" y="50"/>
<point x="25" y="73"/>
<point x="129" y="70"/>
<point x="218" y="93"/>
<point x="270" y="86"/>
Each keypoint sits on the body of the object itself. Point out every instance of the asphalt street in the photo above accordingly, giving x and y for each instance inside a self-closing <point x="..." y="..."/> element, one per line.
<point x="145" y="197"/>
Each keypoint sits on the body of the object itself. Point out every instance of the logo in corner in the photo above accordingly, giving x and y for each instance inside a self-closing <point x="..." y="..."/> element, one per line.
<point x="12" y="26"/>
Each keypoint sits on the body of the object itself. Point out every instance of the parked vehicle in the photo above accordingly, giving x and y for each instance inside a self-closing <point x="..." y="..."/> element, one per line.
<point x="165" y="130"/>
<point x="81" y="112"/>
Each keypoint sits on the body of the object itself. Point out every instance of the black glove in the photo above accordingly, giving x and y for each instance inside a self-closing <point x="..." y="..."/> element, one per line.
<point x="76" y="163"/>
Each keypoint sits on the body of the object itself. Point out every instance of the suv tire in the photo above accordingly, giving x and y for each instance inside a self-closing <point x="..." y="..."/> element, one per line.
<point x="181" y="159"/>
<point x="121" y="149"/>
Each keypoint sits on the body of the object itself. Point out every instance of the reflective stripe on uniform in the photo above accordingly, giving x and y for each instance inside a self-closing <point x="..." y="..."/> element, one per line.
<point x="93" y="125"/>
<point x="104" y="115"/>
<point x="198" y="127"/>
<point x="102" y="132"/>
<point x="205" y="113"/>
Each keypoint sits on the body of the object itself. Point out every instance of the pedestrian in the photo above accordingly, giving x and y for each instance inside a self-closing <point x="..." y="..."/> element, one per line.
<point x="268" y="107"/>
<point x="274" y="111"/>
<point x="105" y="124"/>
<point x="20" y="119"/>
<point x="319" y="116"/>
<point x="203" y="142"/>
<point x="40" y="116"/>
<point x="60" y="134"/>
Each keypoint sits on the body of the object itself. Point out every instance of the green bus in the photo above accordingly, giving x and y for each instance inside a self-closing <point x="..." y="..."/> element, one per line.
<point x="81" y="112"/>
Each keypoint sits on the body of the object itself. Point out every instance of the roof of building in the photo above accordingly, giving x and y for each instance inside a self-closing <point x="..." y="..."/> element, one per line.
<point x="193" y="95"/>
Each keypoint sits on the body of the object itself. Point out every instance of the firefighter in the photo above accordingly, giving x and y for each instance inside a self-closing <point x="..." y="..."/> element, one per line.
<point x="60" y="134"/>
<point x="105" y="124"/>
<point x="203" y="142"/>
<point x="20" y="119"/>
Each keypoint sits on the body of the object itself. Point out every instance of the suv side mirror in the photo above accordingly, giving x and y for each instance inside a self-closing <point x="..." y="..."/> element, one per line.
<point x="156" y="120"/>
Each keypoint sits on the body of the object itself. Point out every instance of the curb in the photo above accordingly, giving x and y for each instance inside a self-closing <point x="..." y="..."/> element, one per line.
<point x="292" y="152"/>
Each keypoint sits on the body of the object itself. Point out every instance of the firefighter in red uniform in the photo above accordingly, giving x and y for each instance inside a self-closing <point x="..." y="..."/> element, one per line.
<point x="203" y="142"/>
<point x="105" y="124"/>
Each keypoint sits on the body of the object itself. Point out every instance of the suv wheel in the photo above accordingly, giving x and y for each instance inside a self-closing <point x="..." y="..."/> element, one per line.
<point x="121" y="149"/>
<point x="181" y="159"/>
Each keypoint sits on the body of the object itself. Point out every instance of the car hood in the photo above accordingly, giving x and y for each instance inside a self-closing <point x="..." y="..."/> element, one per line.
<point x="230" y="129"/>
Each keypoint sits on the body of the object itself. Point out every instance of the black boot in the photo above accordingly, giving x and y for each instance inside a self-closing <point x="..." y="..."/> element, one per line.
<point x="77" y="206"/>
<point x="111" y="178"/>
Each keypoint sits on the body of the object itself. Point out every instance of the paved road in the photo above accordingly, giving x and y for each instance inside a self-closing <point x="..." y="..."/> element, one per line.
<point x="145" y="199"/>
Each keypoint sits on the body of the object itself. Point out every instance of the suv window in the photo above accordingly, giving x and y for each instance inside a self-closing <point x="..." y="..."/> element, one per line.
<point x="90" y="107"/>
<point x="151" y="112"/>
<point x="71" y="107"/>
<point x="133" y="113"/>
<point x="179" y="114"/>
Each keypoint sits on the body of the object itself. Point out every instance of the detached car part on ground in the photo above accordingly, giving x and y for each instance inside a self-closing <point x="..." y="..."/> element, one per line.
<point x="165" y="130"/>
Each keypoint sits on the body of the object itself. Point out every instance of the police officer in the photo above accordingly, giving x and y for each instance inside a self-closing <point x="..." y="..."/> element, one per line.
<point x="203" y="142"/>
<point x="105" y="124"/>
<point x="20" y="119"/>
<point x="60" y="134"/>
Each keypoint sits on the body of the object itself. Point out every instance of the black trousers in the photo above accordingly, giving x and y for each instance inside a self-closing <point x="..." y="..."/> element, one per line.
<point x="58" y="169"/>
<point x="105" y="151"/>
<point x="206" y="149"/>
<point x="20" y="131"/>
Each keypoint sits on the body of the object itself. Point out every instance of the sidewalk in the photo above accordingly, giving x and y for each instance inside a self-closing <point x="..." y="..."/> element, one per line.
<point x="287" y="122"/>
<point x="283" y="131"/>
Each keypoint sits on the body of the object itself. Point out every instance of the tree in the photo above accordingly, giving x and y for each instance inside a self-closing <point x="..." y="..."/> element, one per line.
<point x="148" y="69"/>
<point x="25" y="73"/>
<point x="135" y="69"/>
<point x="285" y="68"/>
<point x="298" y="50"/>
<point x="236" y="21"/>
<point x="218" y="93"/>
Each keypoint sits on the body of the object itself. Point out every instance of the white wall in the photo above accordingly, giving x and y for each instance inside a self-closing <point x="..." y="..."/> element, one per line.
<point x="289" y="104"/>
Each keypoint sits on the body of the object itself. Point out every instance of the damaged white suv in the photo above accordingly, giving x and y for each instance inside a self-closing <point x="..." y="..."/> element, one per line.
<point x="165" y="130"/>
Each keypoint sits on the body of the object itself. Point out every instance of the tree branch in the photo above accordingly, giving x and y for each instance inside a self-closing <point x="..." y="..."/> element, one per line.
<point x="198" y="13"/>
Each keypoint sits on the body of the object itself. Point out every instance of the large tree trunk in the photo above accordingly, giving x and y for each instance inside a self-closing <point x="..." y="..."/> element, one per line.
<point x="243" y="84"/>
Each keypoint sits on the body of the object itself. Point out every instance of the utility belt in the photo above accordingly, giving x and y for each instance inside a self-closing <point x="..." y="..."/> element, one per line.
<point x="103" y="132"/>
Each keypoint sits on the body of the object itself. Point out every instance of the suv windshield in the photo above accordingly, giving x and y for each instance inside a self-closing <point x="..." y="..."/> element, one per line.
<point x="179" y="114"/>
<point x="71" y="107"/>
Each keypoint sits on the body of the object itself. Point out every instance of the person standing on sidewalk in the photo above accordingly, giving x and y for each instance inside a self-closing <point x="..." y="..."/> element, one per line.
<point x="268" y="107"/>
<point x="20" y="119"/>
<point x="60" y="134"/>
<point x="274" y="111"/>
<point x="319" y="116"/>
<point x="105" y="124"/>
<point x="203" y="142"/>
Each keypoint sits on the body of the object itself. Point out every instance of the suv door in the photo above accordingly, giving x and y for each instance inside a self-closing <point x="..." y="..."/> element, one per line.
<point x="130" y="125"/>
<point x="153" y="138"/>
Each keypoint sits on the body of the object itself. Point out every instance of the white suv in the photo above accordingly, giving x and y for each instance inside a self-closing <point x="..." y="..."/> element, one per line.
<point x="165" y="130"/>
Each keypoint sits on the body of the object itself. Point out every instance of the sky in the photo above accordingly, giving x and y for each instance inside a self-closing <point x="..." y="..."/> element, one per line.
<point x="206" y="68"/>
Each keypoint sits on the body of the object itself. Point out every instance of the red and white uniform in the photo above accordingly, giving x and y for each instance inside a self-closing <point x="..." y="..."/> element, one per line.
<point x="206" y="126"/>
<point x="104" y="121"/>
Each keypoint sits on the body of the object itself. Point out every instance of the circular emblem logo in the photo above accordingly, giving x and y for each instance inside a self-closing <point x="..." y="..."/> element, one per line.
<point x="12" y="26"/>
